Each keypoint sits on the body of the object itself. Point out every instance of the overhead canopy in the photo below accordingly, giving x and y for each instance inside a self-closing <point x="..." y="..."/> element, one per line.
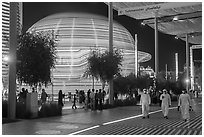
<point x="174" y="18"/>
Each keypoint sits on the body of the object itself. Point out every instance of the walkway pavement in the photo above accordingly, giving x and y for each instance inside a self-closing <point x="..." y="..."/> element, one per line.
<point x="116" y="121"/>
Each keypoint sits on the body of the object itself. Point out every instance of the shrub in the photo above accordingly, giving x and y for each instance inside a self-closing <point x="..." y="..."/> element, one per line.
<point x="50" y="109"/>
<point x="107" y="106"/>
<point x="120" y="103"/>
<point x="129" y="102"/>
<point x="174" y="98"/>
<point x="20" y="110"/>
<point x="154" y="99"/>
<point x="4" y="108"/>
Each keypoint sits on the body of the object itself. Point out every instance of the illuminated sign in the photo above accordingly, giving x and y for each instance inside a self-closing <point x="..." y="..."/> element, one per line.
<point x="156" y="7"/>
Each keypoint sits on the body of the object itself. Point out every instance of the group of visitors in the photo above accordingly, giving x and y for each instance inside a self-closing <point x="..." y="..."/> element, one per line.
<point x="93" y="99"/>
<point x="186" y="103"/>
<point x="22" y="95"/>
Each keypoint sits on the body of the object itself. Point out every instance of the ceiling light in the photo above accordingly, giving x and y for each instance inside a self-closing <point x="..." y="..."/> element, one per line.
<point x="142" y="23"/>
<point x="175" y="18"/>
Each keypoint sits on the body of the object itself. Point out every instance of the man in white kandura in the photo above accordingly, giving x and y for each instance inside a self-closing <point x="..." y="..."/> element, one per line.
<point x="166" y="102"/>
<point x="184" y="103"/>
<point x="145" y="102"/>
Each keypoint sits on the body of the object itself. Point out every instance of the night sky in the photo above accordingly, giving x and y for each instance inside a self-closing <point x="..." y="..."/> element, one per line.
<point x="168" y="45"/>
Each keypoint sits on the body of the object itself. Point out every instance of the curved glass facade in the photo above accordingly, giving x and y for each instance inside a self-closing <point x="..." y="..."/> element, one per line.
<point x="77" y="34"/>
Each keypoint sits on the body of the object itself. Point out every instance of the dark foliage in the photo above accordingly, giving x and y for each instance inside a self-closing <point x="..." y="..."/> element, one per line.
<point x="36" y="55"/>
<point x="120" y="103"/>
<point x="47" y="110"/>
<point x="104" y="66"/>
<point x="50" y="109"/>
<point x="128" y="84"/>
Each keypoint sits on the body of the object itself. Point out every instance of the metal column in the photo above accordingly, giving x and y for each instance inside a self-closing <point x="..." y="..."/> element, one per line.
<point x="12" y="63"/>
<point x="166" y="71"/>
<point x="156" y="46"/>
<point x="110" y="17"/>
<point x="176" y="60"/>
<point x="136" y="57"/>
<point x="192" y="68"/>
<point x="187" y="63"/>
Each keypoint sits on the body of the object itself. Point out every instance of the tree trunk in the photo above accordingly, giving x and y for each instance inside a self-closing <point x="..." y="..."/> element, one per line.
<point x="111" y="92"/>
<point x="93" y="82"/>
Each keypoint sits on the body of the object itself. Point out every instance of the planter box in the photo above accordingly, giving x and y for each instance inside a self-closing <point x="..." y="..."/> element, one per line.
<point x="32" y="104"/>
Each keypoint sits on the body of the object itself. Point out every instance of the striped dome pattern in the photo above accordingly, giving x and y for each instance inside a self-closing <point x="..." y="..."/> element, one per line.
<point x="78" y="33"/>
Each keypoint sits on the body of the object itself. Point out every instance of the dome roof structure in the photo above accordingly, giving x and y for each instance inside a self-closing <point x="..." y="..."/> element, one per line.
<point x="77" y="34"/>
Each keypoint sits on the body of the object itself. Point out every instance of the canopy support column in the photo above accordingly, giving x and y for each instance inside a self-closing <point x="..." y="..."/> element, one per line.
<point x="110" y="17"/>
<point x="192" y="68"/>
<point x="187" y="63"/>
<point x="12" y="63"/>
<point x="156" y="45"/>
<point x="136" y="57"/>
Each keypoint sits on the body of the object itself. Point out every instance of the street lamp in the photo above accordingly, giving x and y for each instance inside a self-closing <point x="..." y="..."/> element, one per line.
<point x="187" y="83"/>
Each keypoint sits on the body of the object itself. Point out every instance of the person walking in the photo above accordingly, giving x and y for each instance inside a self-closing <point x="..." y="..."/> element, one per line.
<point x="166" y="103"/>
<point x="145" y="101"/>
<point x="92" y="100"/>
<point x="60" y="97"/>
<point x="183" y="104"/>
<point x="43" y="96"/>
<point x="86" y="102"/>
<point x="88" y="96"/>
<point x="192" y="97"/>
<point x="100" y="98"/>
<point x="160" y="101"/>
<point x="74" y="102"/>
<point x="96" y="100"/>
<point x="104" y="94"/>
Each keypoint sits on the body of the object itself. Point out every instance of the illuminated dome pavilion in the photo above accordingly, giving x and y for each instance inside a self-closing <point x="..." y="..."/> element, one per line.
<point x="77" y="34"/>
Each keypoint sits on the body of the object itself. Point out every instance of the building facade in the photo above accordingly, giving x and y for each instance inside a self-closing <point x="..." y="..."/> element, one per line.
<point x="76" y="35"/>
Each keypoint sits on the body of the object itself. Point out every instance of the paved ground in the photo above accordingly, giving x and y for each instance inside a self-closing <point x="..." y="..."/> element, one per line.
<point x="117" y="121"/>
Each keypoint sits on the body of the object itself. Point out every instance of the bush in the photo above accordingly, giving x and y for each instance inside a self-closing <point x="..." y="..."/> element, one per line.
<point x="46" y="110"/>
<point x="174" y="98"/>
<point x="50" y="109"/>
<point x="20" y="110"/>
<point x="120" y="103"/>
<point x="4" y="108"/>
<point x="107" y="106"/>
<point x="154" y="99"/>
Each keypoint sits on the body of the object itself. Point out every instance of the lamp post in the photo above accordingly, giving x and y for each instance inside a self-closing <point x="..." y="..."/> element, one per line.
<point x="12" y="64"/>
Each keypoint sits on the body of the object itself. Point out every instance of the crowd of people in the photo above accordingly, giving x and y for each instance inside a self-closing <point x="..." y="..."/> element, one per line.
<point x="94" y="100"/>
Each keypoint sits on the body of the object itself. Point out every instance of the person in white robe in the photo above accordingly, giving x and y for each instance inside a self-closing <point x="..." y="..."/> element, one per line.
<point x="166" y="102"/>
<point x="192" y="97"/>
<point x="184" y="104"/>
<point x="145" y="101"/>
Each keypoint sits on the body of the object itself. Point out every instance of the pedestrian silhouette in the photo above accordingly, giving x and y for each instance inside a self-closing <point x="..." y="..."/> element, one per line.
<point x="60" y="97"/>
<point x="74" y="102"/>
<point x="43" y="96"/>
